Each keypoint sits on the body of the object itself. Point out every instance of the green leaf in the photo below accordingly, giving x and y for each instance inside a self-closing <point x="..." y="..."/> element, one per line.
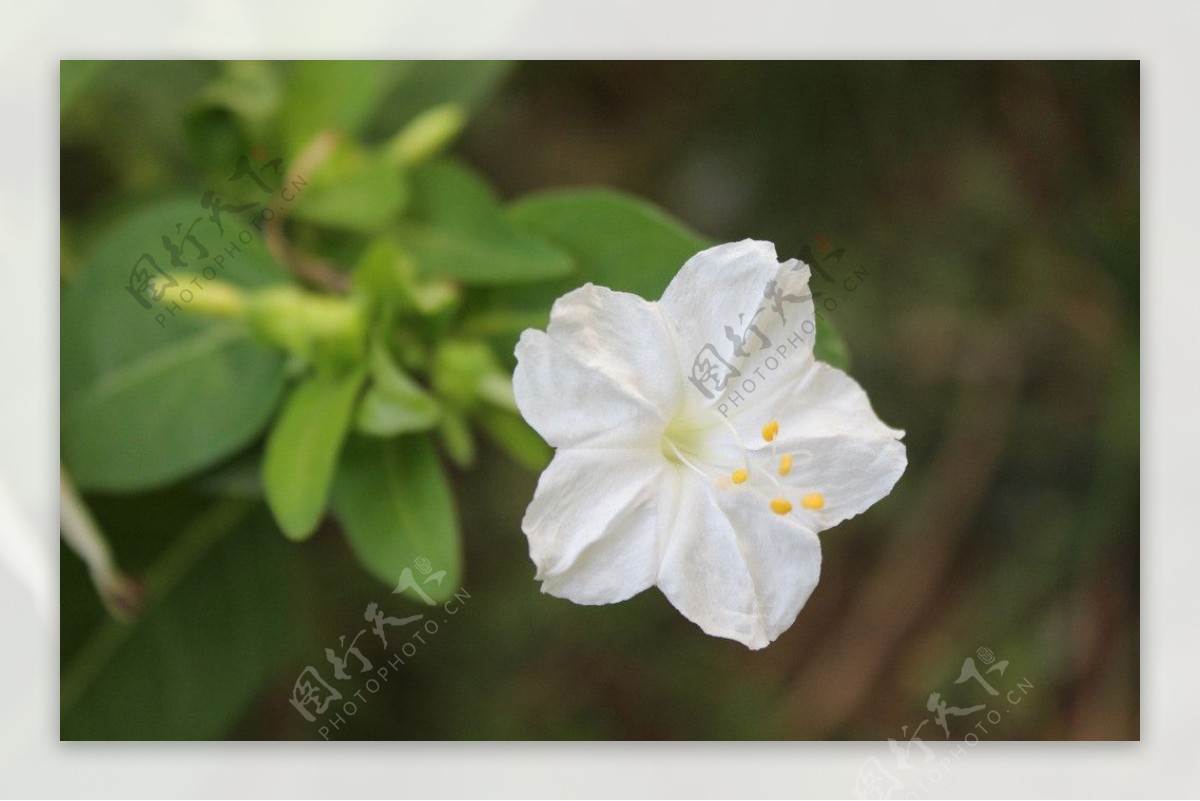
<point x="616" y="240"/>
<point x="502" y="322"/>
<point x="425" y="84"/>
<point x="458" y="229"/>
<point x="352" y="190"/>
<point x="336" y="95"/>
<point x="515" y="437"/>
<point x="456" y="438"/>
<point x="830" y="347"/>
<point x="395" y="506"/>
<point x="303" y="447"/>
<point x="383" y="275"/>
<point x="394" y="404"/>
<point x="218" y="619"/>
<point x="149" y="397"/>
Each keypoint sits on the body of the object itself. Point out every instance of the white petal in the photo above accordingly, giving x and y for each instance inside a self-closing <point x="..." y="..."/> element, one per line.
<point x="732" y="566"/>
<point x="623" y="336"/>
<point x="850" y="473"/>
<point x="823" y="401"/>
<point x="592" y="524"/>
<point x="741" y="319"/>
<point x="604" y="374"/>
<point x="840" y="448"/>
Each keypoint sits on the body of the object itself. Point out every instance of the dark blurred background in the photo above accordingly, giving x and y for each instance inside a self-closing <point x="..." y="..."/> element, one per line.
<point x="988" y="291"/>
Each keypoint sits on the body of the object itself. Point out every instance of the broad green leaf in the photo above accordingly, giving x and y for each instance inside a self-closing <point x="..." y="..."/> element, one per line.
<point x="303" y="447"/>
<point x="458" y="229"/>
<point x="395" y="506"/>
<point x="148" y="396"/>
<point x="218" y="620"/>
<point x="616" y="240"/>
<point x="830" y="347"/>
<point x="425" y="84"/>
<point x="354" y="190"/>
<point x="332" y="95"/>
<point x="394" y="403"/>
<point x="514" y="435"/>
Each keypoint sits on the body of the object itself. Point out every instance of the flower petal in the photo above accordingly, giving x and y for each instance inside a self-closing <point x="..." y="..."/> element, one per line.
<point x="592" y="524"/>
<point x="603" y="374"/>
<point x="849" y="473"/>
<point x="731" y="565"/>
<point x="823" y="401"/>
<point x="840" y="448"/>
<point x="739" y="317"/>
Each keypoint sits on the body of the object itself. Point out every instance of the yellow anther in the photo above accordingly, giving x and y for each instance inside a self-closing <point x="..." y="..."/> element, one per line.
<point x="785" y="464"/>
<point x="770" y="430"/>
<point x="740" y="476"/>
<point x="780" y="506"/>
<point x="813" y="500"/>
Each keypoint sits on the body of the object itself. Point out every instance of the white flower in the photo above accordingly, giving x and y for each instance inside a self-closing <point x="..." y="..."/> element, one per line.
<point x="699" y="445"/>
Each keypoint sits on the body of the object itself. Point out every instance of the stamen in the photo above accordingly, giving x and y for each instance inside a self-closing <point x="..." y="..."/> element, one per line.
<point x="780" y="506"/>
<point x="813" y="500"/>
<point x="785" y="464"/>
<point x="770" y="430"/>
<point x="740" y="476"/>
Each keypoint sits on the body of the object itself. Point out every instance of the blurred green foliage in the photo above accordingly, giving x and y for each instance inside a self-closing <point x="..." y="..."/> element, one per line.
<point x="976" y="228"/>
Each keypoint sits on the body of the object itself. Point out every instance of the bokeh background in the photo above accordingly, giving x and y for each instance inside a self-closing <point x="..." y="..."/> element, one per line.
<point x="989" y="215"/>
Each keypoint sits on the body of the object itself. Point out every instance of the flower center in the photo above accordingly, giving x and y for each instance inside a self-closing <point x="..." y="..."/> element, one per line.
<point x="683" y="441"/>
<point x="709" y="445"/>
<point x="703" y="447"/>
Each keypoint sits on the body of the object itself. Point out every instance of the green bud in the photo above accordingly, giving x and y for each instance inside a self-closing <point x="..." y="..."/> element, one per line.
<point x="426" y="135"/>
<point x="460" y="370"/>
<point x="214" y="298"/>
<point x="387" y="274"/>
<point x="311" y="326"/>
